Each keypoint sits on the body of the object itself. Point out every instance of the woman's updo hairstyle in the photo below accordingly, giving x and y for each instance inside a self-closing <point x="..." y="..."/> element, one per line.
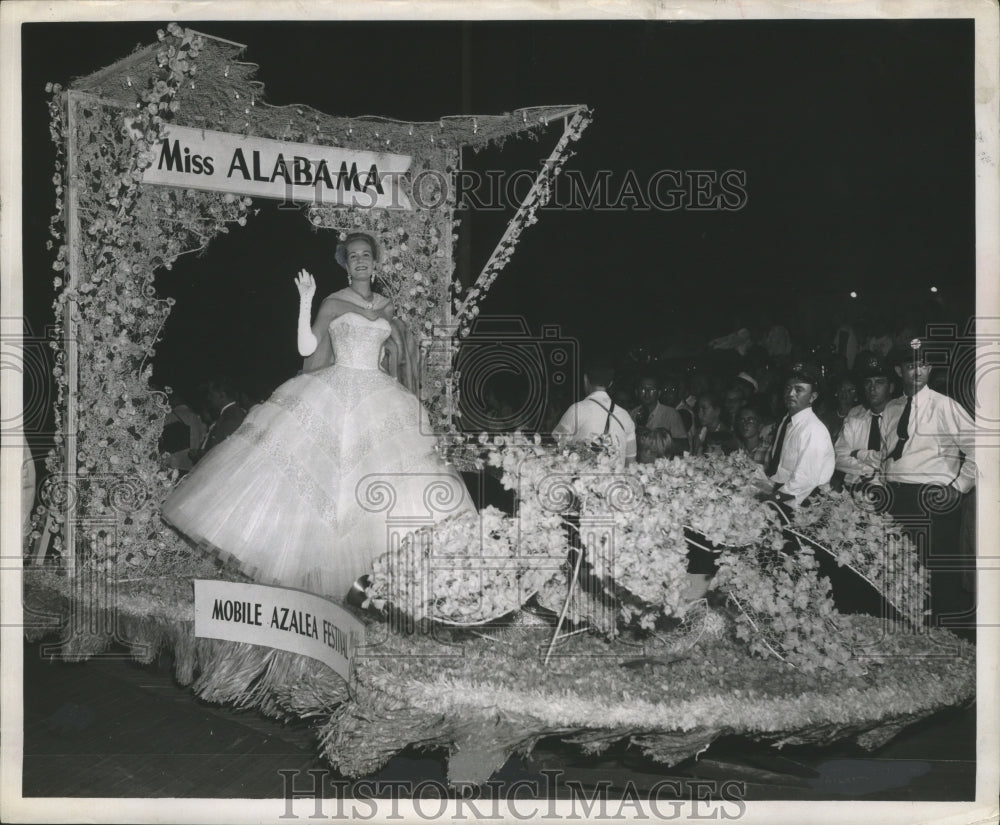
<point x="341" y="254"/>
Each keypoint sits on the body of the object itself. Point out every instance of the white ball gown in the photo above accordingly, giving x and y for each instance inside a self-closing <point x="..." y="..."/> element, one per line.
<point x="305" y="492"/>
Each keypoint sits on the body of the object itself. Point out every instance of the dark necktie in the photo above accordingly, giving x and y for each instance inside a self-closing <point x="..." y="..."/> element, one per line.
<point x="902" y="430"/>
<point x="874" y="434"/>
<point x="772" y="464"/>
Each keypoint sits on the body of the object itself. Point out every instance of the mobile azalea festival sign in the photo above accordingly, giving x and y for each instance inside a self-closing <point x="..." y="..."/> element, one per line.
<point x="278" y="617"/>
<point x="260" y="167"/>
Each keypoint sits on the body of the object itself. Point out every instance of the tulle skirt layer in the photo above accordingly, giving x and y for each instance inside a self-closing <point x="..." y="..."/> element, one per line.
<point x="317" y="480"/>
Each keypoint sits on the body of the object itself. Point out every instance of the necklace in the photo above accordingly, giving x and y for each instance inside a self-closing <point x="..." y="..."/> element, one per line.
<point x="365" y="303"/>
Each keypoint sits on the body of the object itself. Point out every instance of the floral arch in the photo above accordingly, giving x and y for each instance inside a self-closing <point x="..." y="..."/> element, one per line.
<point x="113" y="232"/>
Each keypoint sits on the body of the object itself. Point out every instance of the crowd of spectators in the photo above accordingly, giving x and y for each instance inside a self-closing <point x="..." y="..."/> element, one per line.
<point x="856" y="407"/>
<point x="724" y="393"/>
<point x="895" y="419"/>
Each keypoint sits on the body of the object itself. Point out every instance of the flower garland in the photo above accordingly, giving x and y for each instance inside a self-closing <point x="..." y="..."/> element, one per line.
<point x="785" y="608"/>
<point x="467" y="305"/>
<point x="710" y="497"/>
<point x="635" y="528"/>
<point x="854" y="533"/>
<point x="127" y="232"/>
<point x="468" y="569"/>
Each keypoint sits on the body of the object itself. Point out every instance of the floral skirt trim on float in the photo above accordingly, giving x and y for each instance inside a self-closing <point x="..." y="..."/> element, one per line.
<point x="576" y="619"/>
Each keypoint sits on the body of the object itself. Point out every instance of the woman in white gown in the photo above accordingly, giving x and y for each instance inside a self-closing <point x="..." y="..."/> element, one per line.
<point x="304" y="493"/>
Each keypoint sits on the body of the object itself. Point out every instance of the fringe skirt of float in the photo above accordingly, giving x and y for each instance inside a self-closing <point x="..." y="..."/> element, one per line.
<point x="485" y="699"/>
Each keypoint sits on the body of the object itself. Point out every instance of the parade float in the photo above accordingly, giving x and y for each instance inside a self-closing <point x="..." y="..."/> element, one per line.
<point x="570" y="616"/>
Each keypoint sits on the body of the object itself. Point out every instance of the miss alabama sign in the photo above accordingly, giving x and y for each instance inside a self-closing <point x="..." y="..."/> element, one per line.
<point x="262" y="168"/>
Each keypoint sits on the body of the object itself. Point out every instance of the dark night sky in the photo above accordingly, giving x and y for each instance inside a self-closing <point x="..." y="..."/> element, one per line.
<point x="856" y="138"/>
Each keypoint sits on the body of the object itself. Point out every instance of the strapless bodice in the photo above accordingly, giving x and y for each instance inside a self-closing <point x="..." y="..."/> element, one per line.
<point x="357" y="341"/>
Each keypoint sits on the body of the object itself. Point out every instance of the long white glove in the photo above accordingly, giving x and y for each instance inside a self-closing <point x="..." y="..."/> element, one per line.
<point x="306" y="285"/>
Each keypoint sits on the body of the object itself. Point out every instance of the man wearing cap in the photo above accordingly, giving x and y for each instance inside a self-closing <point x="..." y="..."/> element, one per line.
<point x="864" y="441"/>
<point x="930" y="466"/>
<point x="749" y="384"/>
<point x="802" y="457"/>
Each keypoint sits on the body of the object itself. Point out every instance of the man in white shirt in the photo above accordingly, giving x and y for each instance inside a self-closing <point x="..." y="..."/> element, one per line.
<point x="930" y="467"/>
<point x="653" y="414"/>
<point x="802" y="457"/>
<point x="938" y="446"/>
<point x="868" y="433"/>
<point x="597" y="414"/>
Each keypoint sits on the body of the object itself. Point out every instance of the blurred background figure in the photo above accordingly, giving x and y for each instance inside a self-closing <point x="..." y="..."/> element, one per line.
<point x="696" y="384"/>
<point x="710" y="433"/>
<point x="672" y="395"/>
<point x="733" y="401"/>
<point x="499" y="413"/>
<point x="221" y="400"/>
<point x="844" y="401"/>
<point x="741" y="341"/>
<point x="747" y="383"/>
<point x="845" y="339"/>
<point x="557" y="401"/>
<point x="653" y="414"/>
<point x="653" y="444"/>
<point x="879" y="339"/>
<point x="183" y="431"/>
<point x="777" y="340"/>
<point x="751" y="435"/>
